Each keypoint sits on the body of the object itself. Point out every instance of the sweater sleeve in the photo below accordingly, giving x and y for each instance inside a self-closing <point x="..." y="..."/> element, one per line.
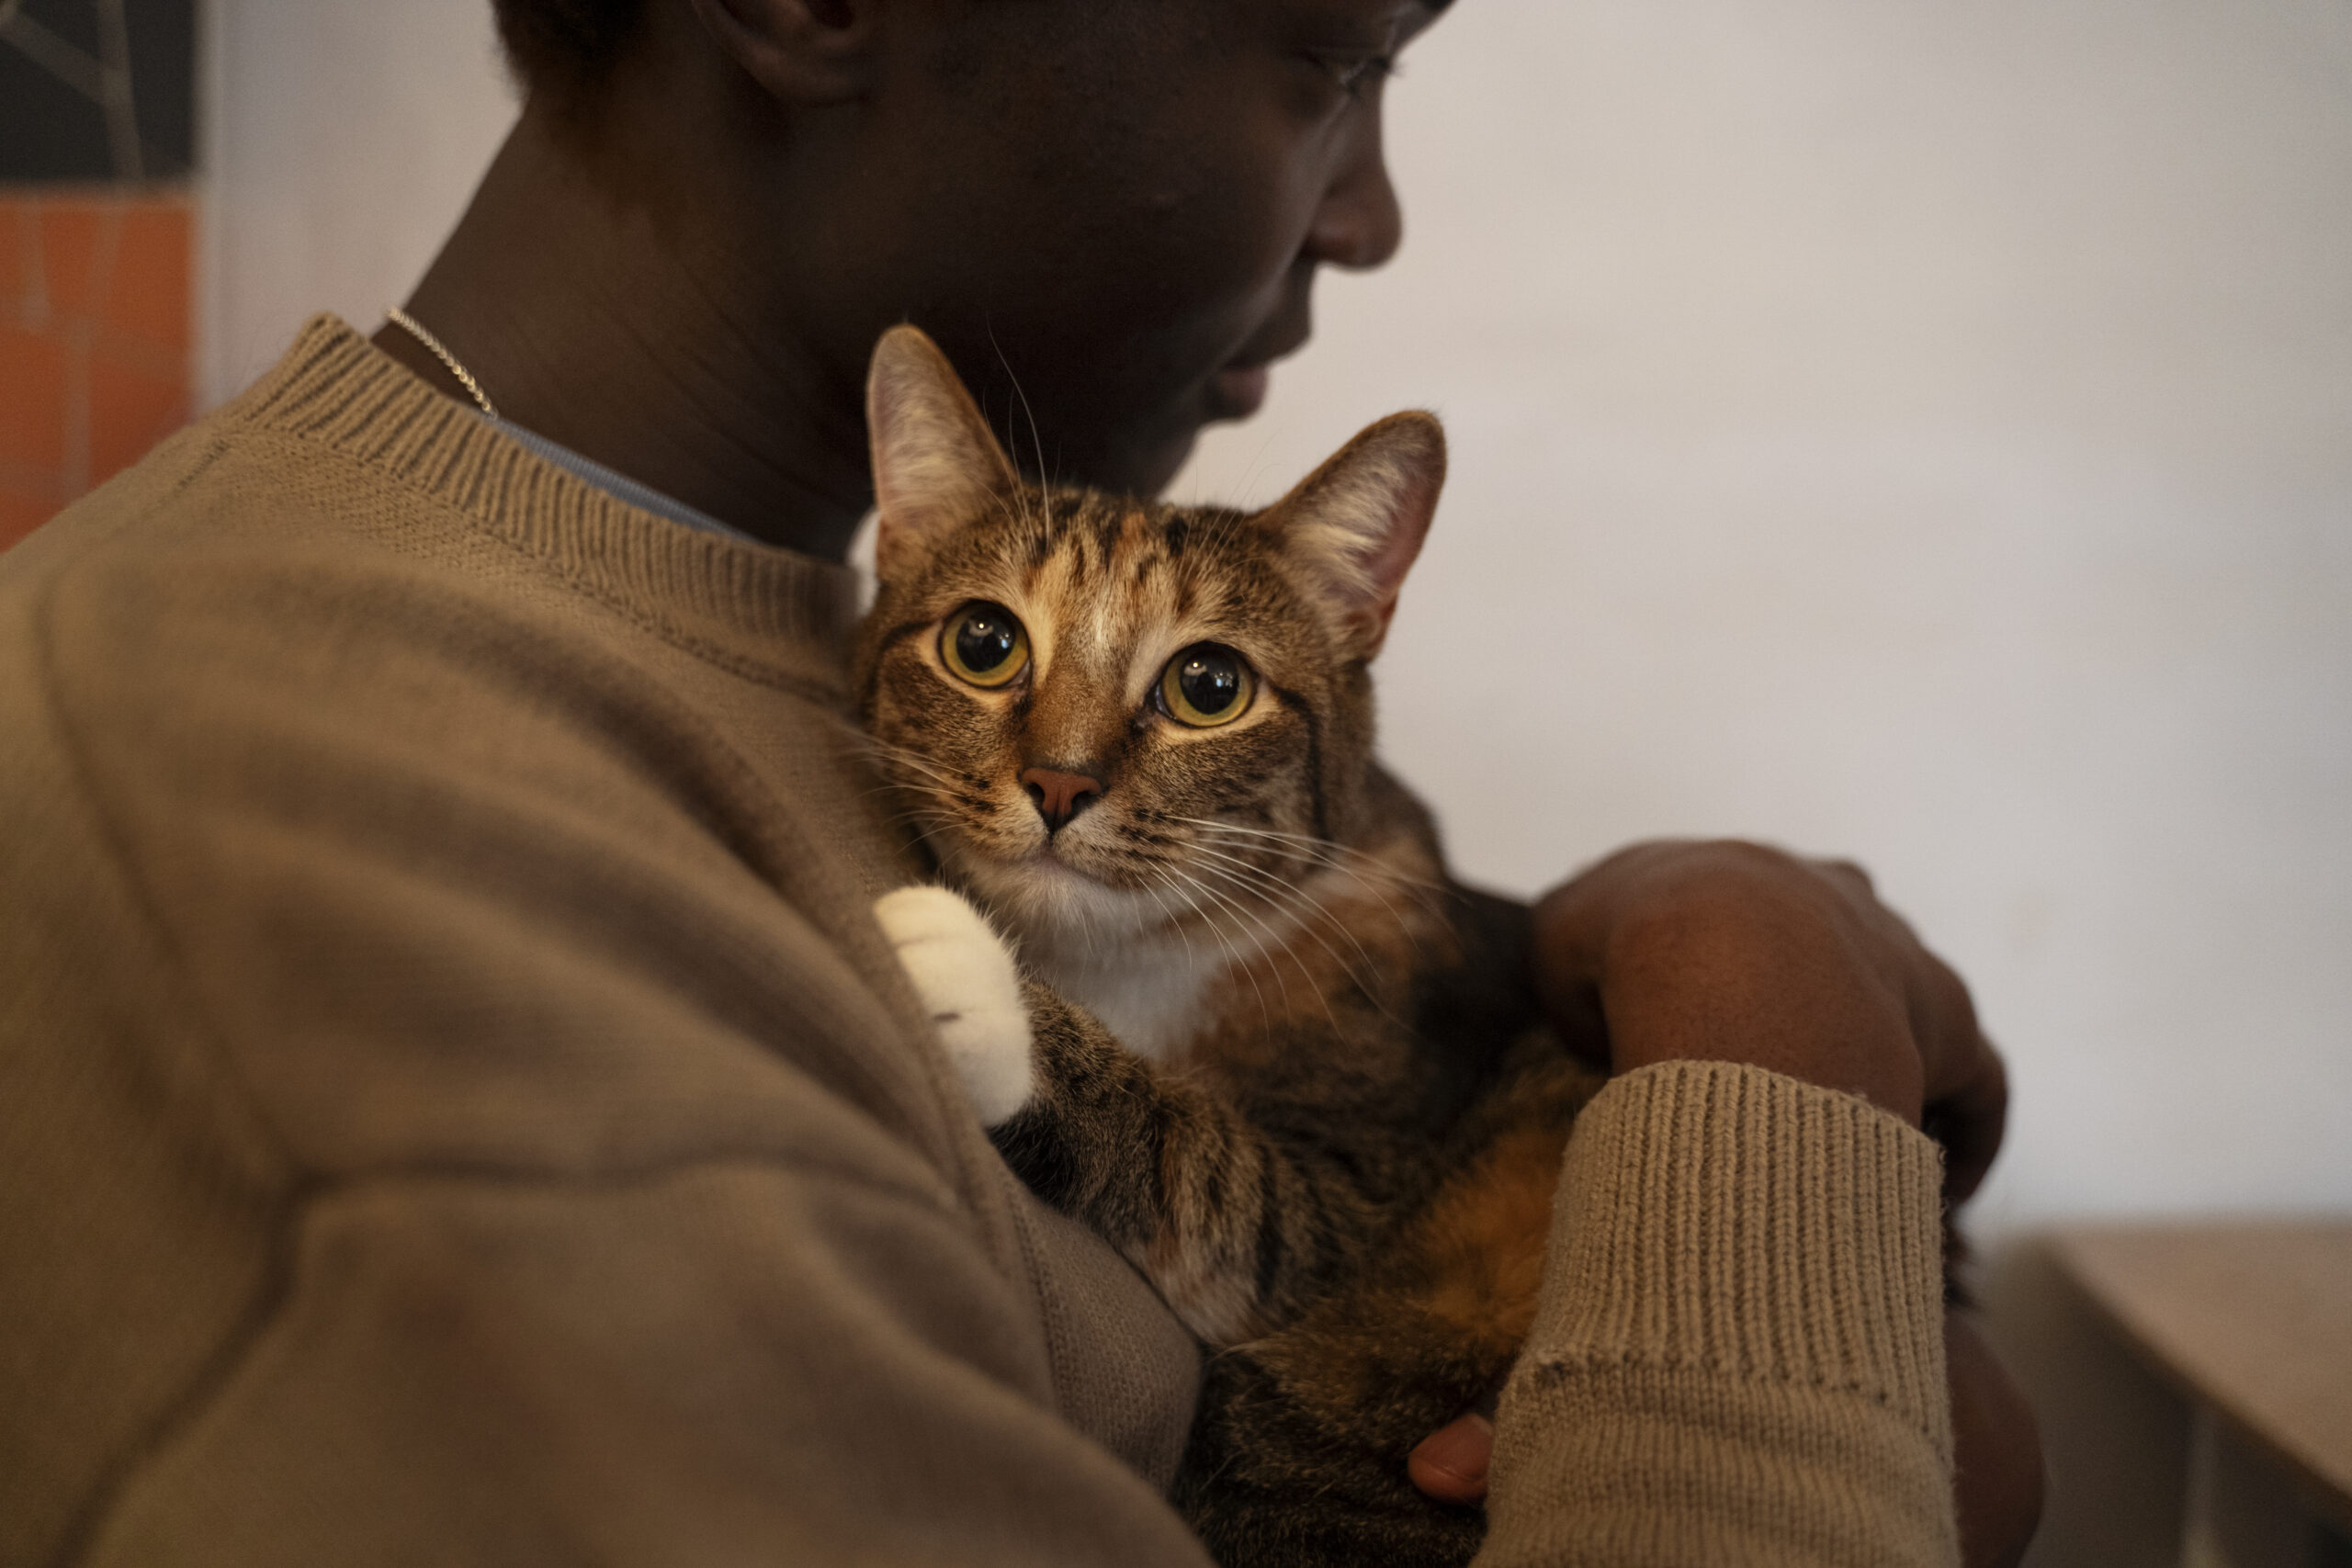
<point x="728" y="1362"/>
<point x="514" y="1255"/>
<point x="440" y="1122"/>
<point x="1738" y="1354"/>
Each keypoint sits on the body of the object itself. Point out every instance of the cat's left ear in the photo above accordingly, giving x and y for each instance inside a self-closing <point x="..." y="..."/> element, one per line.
<point x="937" y="465"/>
<point x="1353" y="525"/>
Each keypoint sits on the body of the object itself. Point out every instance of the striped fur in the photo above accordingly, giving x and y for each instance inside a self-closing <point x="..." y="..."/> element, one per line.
<point x="1270" y="1034"/>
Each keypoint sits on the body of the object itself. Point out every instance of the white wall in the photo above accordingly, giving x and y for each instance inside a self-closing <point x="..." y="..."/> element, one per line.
<point x="1917" y="431"/>
<point x="341" y="140"/>
<point x="1922" y="432"/>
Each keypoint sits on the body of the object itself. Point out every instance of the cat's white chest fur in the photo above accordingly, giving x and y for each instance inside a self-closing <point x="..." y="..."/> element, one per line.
<point x="1153" y="996"/>
<point x="1158" y="990"/>
<point x="1153" y="999"/>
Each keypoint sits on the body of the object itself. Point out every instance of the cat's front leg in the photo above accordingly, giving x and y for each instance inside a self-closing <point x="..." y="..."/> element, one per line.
<point x="1234" y="1228"/>
<point x="965" y="976"/>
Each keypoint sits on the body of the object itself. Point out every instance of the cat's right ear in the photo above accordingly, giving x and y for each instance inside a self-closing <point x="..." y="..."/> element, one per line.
<point x="936" y="464"/>
<point x="1354" y="525"/>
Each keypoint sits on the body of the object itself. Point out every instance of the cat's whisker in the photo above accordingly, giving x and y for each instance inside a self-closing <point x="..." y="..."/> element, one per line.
<point x="1094" y="929"/>
<point x="1361" y="982"/>
<point x="1176" y="874"/>
<point x="1299" y="904"/>
<point x="925" y="820"/>
<point x="1036" y="440"/>
<point x="877" y="746"/>
<point x="898" y="789"/>
<point x="1260" y="883"/>
<point x="1176" y="923"/>
<point x="1274" y="885"/>
<point x="1324" y="850"/>
<point x="1329" y="848"/>
<point x="925" y="834"/>
<point x="1269" y="945"/>
<point x="916" y="763"/>
<point x="873" y="745"/>
<point x="1295" y="901"/>
<point x="945" y="781"/>
<point x="1310" y="840"/>
<point x="1354" y="873"/>
<point x="916" y="802"/>
<point x="1256" y="940"/>
<point x="1223" y="903"/>
<point x="1261" y="897"/>
<point x="1259" y="880"/>
<point x="1365" y="872"/>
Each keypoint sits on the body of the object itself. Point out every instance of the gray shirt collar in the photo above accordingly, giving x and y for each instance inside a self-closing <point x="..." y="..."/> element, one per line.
<point x="620" y="486"/>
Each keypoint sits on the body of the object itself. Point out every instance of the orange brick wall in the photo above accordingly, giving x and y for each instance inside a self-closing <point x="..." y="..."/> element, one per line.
<point x="94" y="362"/>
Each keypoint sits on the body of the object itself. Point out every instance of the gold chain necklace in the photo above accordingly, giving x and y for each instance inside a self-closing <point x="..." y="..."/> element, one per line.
<point x="440" y="351"/>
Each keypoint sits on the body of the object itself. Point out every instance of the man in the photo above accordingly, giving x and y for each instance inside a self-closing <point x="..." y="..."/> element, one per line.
<point x="456" y="1105"/>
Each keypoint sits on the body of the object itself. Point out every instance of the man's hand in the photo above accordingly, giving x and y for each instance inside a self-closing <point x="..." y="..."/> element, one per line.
<point x="1996" y="1454"/>
<point x="1733" y="953"/>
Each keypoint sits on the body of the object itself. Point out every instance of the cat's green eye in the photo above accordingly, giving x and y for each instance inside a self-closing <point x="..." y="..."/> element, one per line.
<point x="984" y="644"/>
<point x="1206" y="686"/>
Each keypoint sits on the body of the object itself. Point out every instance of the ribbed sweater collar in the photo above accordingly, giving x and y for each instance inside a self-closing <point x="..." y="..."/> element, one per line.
<point x="782" y="613"/>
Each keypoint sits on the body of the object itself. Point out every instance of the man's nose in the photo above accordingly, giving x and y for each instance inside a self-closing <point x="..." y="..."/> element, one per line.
<point x="1359" y="223"/>
<point x="1059" y="795"/>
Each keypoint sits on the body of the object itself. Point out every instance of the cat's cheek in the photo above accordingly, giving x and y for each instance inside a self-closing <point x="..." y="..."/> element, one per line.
<point x="965" y="977"/>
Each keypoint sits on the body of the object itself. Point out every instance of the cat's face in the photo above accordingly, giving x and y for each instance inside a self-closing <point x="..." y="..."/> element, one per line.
<point x="1106" y="714"/>
<point x="1102" y="712"/>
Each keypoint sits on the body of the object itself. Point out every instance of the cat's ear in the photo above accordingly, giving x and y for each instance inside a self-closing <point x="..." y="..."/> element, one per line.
<point x="936" y="464"/>
<point x="1353" y="525"/>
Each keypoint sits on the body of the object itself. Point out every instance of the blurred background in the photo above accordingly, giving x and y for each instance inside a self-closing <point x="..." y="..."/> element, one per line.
<point x="1919" y="432"/>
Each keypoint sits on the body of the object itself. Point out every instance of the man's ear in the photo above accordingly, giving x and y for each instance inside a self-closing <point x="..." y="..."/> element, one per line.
<point x="936" y="464"/>
<point x="1353" y="525"/>
<point x="798" y="51"/>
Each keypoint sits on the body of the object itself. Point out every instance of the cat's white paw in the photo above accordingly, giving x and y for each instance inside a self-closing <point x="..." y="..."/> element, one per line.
<point x="964" y="973"/>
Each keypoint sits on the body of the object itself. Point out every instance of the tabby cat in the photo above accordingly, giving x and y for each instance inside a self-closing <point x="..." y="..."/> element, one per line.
<point x="1256" y="1038"/>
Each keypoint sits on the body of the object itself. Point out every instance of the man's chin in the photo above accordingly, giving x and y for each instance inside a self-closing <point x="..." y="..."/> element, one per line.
<point x="1238" y="390"/>
<point x="1146" y="469"/>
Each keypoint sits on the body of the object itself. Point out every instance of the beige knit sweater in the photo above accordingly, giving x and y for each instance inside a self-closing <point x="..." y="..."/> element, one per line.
<point x="455" y="1107"/>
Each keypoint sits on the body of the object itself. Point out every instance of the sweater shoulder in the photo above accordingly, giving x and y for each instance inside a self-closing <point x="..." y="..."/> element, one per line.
<point x="346" y="736"/>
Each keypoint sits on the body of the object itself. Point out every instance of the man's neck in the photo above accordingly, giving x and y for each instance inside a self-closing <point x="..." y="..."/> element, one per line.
<point x="602" y="325"/>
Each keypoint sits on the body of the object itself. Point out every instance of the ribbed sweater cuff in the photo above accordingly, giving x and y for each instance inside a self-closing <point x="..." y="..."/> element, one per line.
<point x="1739" y="1346"/>
<point x="1716" y="1216"/>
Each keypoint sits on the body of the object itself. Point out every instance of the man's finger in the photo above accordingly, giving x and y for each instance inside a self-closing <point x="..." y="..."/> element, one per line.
<point x="1450" y="1464"/>
<point x="1968" y="1122"/>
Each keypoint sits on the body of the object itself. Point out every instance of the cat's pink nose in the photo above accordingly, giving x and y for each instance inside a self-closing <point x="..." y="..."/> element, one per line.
<point x="1058" y="795"/>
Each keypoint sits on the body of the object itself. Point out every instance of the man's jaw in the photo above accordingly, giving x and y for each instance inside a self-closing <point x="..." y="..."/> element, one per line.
<point x="1238" y="390"/>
